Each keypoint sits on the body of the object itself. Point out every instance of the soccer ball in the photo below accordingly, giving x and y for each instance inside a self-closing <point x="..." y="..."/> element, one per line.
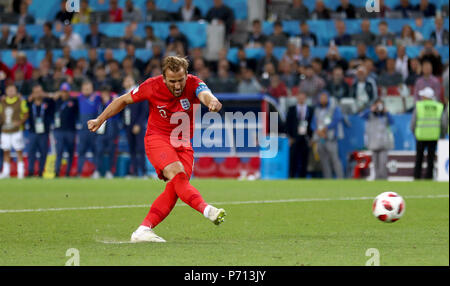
<point x="388" y="207"/>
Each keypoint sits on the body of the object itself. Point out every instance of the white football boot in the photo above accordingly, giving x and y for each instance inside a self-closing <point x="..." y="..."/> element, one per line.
<point x="217" y="216"/>
<point x="145" y="235"/>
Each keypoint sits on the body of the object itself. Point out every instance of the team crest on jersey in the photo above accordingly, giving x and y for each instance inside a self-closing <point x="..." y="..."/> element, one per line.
<point x="185" y="103"/>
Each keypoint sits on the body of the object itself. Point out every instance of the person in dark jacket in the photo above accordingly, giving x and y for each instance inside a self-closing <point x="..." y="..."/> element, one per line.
<point x="298" y="127"/>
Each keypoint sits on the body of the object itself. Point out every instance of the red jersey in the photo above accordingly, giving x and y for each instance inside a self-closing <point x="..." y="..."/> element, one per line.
<point x="163" y="104"/>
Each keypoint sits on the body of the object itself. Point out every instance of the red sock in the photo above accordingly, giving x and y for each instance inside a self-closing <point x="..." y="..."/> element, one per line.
<point x="161" y="207"/>
<point x="187" y="193"/>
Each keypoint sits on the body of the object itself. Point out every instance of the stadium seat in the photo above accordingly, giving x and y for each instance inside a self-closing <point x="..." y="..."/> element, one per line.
<point x="231" y="167"/>
<point x="393" y="14"/>
<point x="392" y="90"/>
<point x="205" y="167"/>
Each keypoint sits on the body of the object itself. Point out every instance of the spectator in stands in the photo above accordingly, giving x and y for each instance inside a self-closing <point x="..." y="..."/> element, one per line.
<point x="266" y="75"/>
<point x="48" y="40"/>
<point x="243" y="61"/>
<point x="129" y="69"/>
<point x="60" y="74"/>
<point x="365" y="36"/>
<point x="223" y="13"/>
<point x="150" y="38"/>
<point x="23" y="86"/>
<point x="428" y="9"/>
<point x="223" y="81"/>
<point x="24" y="17"/>
<point x="71" y="39"/>
<point x="268" y="58"/>
<point x="41" y="116"/>
<point x="63" y="16"/>
<point x="298" y="127"/>
<point x="363" y="90"/>
<point x="333" y="59"/>
<point x="21" y="40"/>
<point x="382" y="56"/>
<point x="337" y="87"/>
<point x="189" y="12"/>
<point x="106" y="137"/>
<point x="115" y="12"/>
<point x="153" y="14"/>
<point x="390" y="77"/>
<point x="297" y="11"/>
<point x="131" y="53"/>
<point x="130" y="37"/>
<point x="427" y="80"/>
<point x="320" y="11"/>
<point x="402" y="62"/>
<point x="22" y="64"/>
<point x="292" y="53"/>
<point x="439" y="37"/>
<point x="89" y="103"/>
<point x="384" y="37"/>
<point x="100" y="78"/>
<point x="427" y="124"/>
<point x="347" y="9"/>
<point x="277" y="87"/>
<point x="429" y="53"/>
<point x="317" y="66"/>
<point x="342" y="38"/>
<point x="404" y="7"/>
<point x="288" y="73"/>
<point x="5" y="40"/>
<point x="64" y="123"/>
<point x="305" y="55"/>
<point x="176" y="36"/>
<point x="248" y="82"/>
<point x="306" y="36"/>
<point x="130" y="13"/>
<point x="378" y="137"/>
<point x="408" y="37"/>
<point x="311" y="84"/>
<point x="95" y="38"/>
<point x="278" y="37"/>
<point x="256" y="38"/>
<point x="84" y="15"/>
<point x="383" y="9"/>
<point x="5" y="75"/>
<point x="414" y="72"/>
<point x="69" y="61"/>
<point x="325" y="126"/>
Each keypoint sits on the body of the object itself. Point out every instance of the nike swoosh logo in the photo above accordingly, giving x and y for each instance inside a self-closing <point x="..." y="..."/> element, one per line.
<point x="161" y="106"/>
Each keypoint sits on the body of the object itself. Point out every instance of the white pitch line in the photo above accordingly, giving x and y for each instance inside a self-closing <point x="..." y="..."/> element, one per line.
<point x="297" y="200"/>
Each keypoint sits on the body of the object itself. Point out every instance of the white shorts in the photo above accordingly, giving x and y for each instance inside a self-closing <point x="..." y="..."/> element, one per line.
<point x="12" y="141"/>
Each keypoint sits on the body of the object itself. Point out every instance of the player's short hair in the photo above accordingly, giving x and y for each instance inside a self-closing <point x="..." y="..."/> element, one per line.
<point x="174" y="64"/>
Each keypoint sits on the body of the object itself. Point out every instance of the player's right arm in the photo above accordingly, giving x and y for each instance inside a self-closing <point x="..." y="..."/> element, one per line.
<point x="116" y="106"/>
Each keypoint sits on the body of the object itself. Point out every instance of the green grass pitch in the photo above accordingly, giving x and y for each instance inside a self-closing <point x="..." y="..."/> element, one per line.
<point x="288" y="223"/>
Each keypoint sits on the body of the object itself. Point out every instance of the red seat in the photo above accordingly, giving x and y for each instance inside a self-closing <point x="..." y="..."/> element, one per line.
<point x="363" y="162"/>
<point x="205" y="167"/>
<point x="393" y="90"/>
<point x="230" y="168"/>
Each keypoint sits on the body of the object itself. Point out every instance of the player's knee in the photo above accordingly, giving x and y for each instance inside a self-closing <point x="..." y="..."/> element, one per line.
<point x="173" y="169"/>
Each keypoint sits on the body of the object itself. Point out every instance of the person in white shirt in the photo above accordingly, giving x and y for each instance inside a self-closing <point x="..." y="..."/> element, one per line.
<point x="71" y="39"/>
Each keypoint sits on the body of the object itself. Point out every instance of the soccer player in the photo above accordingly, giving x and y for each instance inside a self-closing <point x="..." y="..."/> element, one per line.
<point x="171" y="94"/>
<point x="13" y="115"/>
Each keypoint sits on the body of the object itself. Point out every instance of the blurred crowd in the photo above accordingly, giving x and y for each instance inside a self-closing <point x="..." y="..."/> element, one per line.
<point x="297" y="73"/>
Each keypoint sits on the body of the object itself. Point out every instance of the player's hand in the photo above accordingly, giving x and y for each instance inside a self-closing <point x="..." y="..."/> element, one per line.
<point x="215" y="106"/>
<point x="94" y="124"/>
